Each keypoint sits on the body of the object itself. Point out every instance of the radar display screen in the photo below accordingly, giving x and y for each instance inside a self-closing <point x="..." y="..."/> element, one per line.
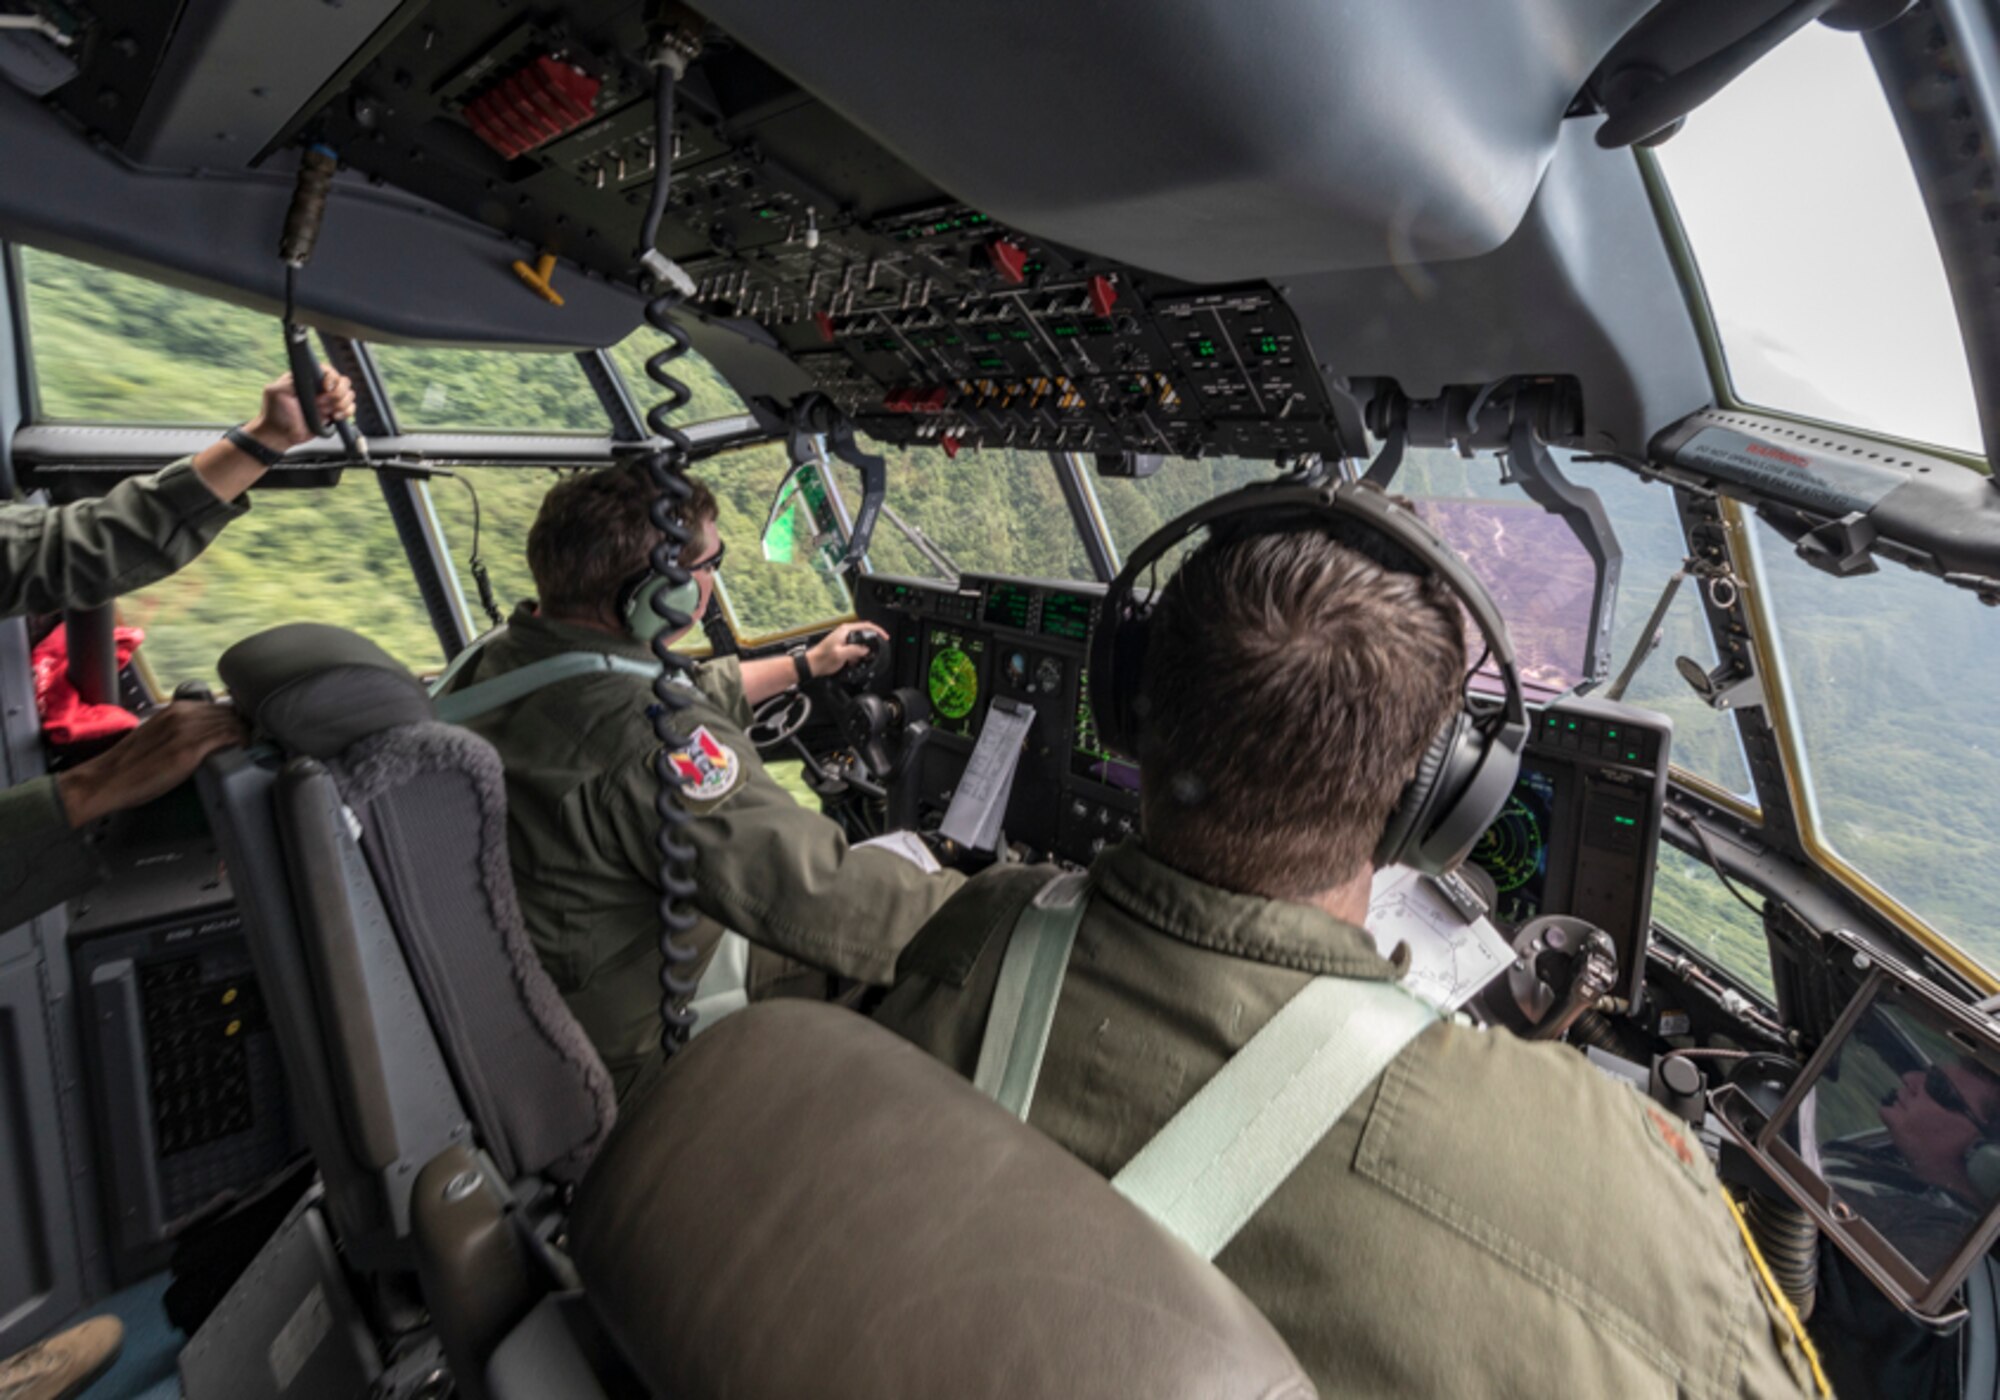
<point x="1066" y="615"/>
<point x="1010" y="605"/>
<point x="1515" y="849"/>
<point x="953" y="679"/>
<point x="1089" y="758"/>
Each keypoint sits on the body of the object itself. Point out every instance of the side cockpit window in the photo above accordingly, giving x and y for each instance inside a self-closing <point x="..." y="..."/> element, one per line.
<point x="109" y="347"/>
<point x="1815" y="250"/>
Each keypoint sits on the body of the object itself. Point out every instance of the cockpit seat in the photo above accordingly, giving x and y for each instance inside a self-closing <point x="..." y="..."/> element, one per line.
<point x="800" y="1204"/>
<point x="804" y="1204"/>
<point x="370" y="857"/>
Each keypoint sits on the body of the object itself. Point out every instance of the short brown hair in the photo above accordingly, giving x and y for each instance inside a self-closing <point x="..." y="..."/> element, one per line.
<point x="592" y="536"/>
<point x="1290" y="687"/>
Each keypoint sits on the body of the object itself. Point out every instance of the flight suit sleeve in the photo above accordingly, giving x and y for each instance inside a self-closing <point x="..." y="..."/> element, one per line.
<point x="721" y="680"/>
<point x="780" y="875"/>
<point x="89" y="552"/>
<point x="43" y="861"/>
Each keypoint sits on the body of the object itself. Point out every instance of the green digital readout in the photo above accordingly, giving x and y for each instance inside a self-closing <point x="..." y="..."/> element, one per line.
<point x="1009" y="605"/>
<point x="1266" y="345"/>
<point x="1204" y="348"/>
<point x="1066" y="615"/>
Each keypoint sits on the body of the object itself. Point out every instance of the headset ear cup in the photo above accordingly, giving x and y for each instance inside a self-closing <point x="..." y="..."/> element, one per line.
<point x="1982" y="1169"/>
<point x="1406" y="822"/>
<point x="640" y="618"/>
<point x="1118" y="661"/>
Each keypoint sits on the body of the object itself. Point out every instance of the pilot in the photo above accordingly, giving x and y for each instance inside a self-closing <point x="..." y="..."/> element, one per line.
<point x="84" y="555"/>
<point x="582" y="826"/>
<point x="1489" y="1216"/>
<point x="1938" y="1171"/>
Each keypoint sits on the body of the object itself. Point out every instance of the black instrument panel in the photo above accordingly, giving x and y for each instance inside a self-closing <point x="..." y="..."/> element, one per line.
<point x="1026" y="639"/>
<point x="1580" y="833"/>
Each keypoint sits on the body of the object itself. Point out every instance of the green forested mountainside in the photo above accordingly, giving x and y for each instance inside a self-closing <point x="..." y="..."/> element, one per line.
<point x="1892" y="674"/>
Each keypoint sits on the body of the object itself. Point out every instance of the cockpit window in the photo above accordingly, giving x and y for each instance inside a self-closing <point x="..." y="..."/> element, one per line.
<point x="1706" y="743"/>
<point x="711" y="397"/>
<point x="492" y="391"/>
<point x="996" y="511"/>
<point x="763" y="597"/>
<point x="1537" y="570"/>
<point x="509" y="498"/>
<point x="1543" y="580"/>
<point x="1889" y="681"/>
<point x="317" y="554"/>
<point x="1134" y="508"/>
<point x="108" y="347"/>
<point x="1815" y="248"/>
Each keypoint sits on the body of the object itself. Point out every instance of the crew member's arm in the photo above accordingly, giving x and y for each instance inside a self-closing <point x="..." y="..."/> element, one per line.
<point x="85" y="554"/>
<point x="773" y="675"/>
<point x="45" y="855"/>
<point x="780" y="875"/>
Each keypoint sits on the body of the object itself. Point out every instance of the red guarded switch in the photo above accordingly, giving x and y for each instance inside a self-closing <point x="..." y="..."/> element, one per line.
<point x="1103" y="295"/>
<point x="533" y="105"/>
<point x="825" y="324"/>
<point x="910" y="399"/>
<point x="950" y="445"/>
<point x="1010" y="258"/>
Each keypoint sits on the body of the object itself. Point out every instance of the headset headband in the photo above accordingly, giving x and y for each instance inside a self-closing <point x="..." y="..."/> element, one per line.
<point x="1277" y="504"/>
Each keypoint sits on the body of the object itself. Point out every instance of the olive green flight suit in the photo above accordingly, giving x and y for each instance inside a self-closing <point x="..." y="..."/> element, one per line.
<point x="582" y="831"/>
<point x="1490" y="1217"/>
<point x="83" y="555"/>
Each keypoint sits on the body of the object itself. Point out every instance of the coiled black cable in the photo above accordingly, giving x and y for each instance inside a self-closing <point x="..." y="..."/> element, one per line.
<point x="665" y="462"/>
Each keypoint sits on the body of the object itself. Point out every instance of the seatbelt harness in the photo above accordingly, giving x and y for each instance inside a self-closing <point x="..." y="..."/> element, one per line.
<point x="1219" y="1159"/>
<point x="1024" y="1000"/>
<point x="518" y="684"/>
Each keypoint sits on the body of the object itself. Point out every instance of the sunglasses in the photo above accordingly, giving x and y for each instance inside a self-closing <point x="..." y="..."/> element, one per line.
<point x="1942" y="1092"/>
<point x="713" y="562"/>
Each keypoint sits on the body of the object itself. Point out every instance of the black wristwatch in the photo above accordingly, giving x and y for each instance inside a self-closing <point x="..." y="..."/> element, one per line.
<point x="244" y="443"/>
<point x="800" y="665"/>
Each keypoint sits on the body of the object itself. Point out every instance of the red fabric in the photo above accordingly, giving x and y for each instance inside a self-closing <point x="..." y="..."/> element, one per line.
<point x="65" y="718"/>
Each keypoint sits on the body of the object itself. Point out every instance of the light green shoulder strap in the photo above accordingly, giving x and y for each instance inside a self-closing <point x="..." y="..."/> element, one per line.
<point x="518" y="684"/>
<point x="469" y="655"/>
<point x="1234" y="1143"/>
<point x="1024" y="1001"/>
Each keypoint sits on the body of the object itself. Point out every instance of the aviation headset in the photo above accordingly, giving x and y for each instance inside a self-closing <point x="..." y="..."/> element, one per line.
<point x="1467" y="773"/>
<point x="635" y="603"/>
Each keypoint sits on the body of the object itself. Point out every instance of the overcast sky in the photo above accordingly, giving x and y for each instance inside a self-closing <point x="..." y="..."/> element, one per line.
<point x="1816" y="250"/>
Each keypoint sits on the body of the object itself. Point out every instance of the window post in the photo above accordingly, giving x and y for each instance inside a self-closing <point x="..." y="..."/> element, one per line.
<point x="408" y="500"/>
<point x="1087" y="514"/>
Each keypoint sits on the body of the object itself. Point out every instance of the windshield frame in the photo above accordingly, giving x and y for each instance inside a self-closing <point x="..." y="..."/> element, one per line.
<point x="1778" y="705"/>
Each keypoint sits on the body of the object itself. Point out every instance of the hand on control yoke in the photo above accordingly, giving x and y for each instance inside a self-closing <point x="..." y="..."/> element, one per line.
<point x="150" y="762"/>
<point x="850" y="644"/>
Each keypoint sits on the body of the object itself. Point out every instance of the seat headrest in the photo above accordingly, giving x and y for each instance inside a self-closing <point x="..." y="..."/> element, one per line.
<point x="316" y="689"/>
<point x="804" y="1204"/>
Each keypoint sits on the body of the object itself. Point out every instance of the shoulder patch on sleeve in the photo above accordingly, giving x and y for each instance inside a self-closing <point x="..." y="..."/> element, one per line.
<point x="710" y="769"/>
